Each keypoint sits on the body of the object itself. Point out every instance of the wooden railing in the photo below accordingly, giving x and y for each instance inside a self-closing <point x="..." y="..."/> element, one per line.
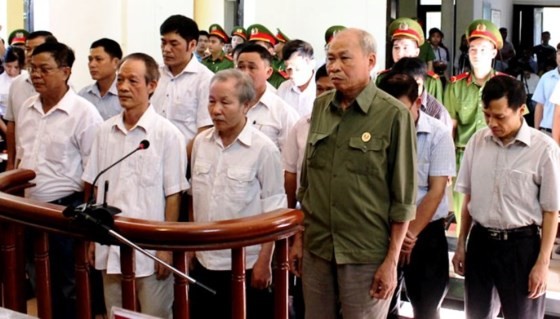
<point x="16" y="213"/>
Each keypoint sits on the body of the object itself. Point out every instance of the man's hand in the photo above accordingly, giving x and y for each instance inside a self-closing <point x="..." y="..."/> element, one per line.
<point x="406" y="248"/>
<point x="296" y="255"/>
<point x="262" y="275"/>
<point x="161" y="271"/>
<point x="459" y="260"/>
<point x="90" y="254"/>
<point x="538" y="279"/>
<point x="384" y="281"/>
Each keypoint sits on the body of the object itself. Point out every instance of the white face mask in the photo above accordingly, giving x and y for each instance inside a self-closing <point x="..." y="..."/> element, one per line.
<point x="299" y="69"/>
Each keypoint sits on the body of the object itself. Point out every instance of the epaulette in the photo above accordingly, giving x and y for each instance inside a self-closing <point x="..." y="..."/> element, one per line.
<point x="433" y="75"/>
<point x="459" y="77"/>
<point x="383" y="71"/>
<point x="283" y="74"/>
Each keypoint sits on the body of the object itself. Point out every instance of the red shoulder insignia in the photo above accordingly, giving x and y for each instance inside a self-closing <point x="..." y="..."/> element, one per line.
<point x="432" y="74"/>
<point x="283" y="74"/>
<point x="383" y="71"/>
<point x="459" y="77"/>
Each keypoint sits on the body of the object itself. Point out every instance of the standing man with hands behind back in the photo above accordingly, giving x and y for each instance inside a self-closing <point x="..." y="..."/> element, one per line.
<point x="358" y="188"/>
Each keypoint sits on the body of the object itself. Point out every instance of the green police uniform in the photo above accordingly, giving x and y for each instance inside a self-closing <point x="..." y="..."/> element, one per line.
<point x="462" y="98"/>
<point x="223" y="62"/>
<point x="331" y="32"/>
<point x="426" y="52"/>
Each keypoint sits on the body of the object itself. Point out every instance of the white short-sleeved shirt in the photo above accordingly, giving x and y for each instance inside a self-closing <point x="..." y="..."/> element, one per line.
<point x="436" y="157"/>
<point x="20" y="91"/>
<point x="5" y="83"/>
<point x="139" y="184"/>
<point x="301" y="101"/>
<point x="56" y="145"/>
<point x="240" y="180"/>
<point x="294" y="148"/>
<point x="108" y="105"/>
<point x="274" y="117"/>
<point x="183" y="99"/>
<point x="510" y="185"/>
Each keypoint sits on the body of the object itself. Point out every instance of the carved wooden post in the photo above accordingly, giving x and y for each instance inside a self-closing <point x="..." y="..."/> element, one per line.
<point x="128" y="278"/>
<point x="281" y="280"/>
<point x="43" y="275"/>
<point x="181" y="305"/>
<point x="14" y="299"/>
<point x="238" y="299"/>
<point x="83" y="295"/>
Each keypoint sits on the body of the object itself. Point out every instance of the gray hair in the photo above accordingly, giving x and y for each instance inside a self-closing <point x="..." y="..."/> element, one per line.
<point x="244" y="84"/>
<point x="366" y="40"/>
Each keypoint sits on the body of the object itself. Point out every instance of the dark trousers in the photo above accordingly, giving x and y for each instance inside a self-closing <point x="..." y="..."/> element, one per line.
<point x="497" y="272"/>
<point x="205" y="305"/>
<point x="427" y="275"/>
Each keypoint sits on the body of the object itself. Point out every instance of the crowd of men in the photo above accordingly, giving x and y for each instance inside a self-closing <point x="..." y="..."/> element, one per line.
<point x="243" y="123"/>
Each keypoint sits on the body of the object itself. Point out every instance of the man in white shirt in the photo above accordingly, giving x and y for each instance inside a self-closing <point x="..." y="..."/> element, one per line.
<point x="147" y="185"/>
<point x="182" y="92"/>
<point x="55" y="131"/>
<point x="104" y="57"/>
<point x="268" y="112"/>
<point x="21" y="90"/>
<point x="299" y="92"/>
<point x="236" y="172"/>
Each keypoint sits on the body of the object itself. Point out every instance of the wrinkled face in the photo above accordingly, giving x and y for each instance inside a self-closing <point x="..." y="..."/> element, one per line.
<point x="101" y="65"/>
<point x="12" y="69"/>
<point x="404" y="48"/>
<point x="236" y="40"/>
<point x="47" y="75"/>
<point x="133" y="89"/>
<point x="258" y="69"/>
<point x="30" y="45"/>
<point x="215" y="45"/>
<point x="227" y="113"/>
<point x="324" y="84"/>
<point x="502" y="120"/>
<point x="175" y="50"/>
<point x="299" y="69"/>
<point x="481" y="53"/>
<point x="348" y="65"/>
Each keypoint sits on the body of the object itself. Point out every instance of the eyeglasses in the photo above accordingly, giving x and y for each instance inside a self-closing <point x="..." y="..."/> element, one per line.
<point x="44" y="70"/>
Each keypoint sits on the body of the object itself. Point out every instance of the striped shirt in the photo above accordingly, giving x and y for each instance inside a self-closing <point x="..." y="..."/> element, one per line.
<point x="432" y="107"/>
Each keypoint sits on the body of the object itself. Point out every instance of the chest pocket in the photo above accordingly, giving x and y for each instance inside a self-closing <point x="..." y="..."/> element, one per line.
<point x="317" y="154"/>
<point x="366" y="157"/>
<point x="469" y="108"/>
<point x="150" y="166"/>
<point x="239" y="185"/>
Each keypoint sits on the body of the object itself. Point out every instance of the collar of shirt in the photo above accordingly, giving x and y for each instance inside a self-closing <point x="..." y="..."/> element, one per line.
<point x="192" y="67"/>
<point x="267" y="99"/>
<point x="312" y="86"/>
<point x="523" y="136"/>
<point x="470" y="79"/>
<point x="423" y="100"/>
<point x="94" y="89"/>
<point x="363" y="100"/>
<point x="65" y="104"/>
<point x="244" y="137"/>
<point x="145" y="122"/>
<point x="423" y="126"/>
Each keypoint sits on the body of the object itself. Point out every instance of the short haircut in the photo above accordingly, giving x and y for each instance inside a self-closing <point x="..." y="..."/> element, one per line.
<point x="61" y="53"/>
<point x="185" y="27"/>
<point x="414" y="67"/>
<point x="504" y="86"/>
<point x="545" y="33"/>
<point x="503" y="29"/>
<point x="435" y="30"/>
<point x="203" y="33"/>
<point x="297" y="46"/>
<point x="49" y="37"/>
<point x="321" y="72"/>
<point x="152" y="68"/>
<point x="243" y="86"/>
<point x="256" y="48"/>
<point x="399" y="85"/>
<point x="13" y="54"/>
<point x="110" y="46"/>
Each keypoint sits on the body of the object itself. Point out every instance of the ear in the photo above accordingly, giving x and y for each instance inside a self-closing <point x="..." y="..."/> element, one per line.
<point x="494" y="53"/>
<point x="269" y="71"/>
<point x="191" y="45"/>
<point x="115" y="62"/>
<point x="417" y="51"/>
<point x="372" y="60"/>
<point x="152" y="87"/>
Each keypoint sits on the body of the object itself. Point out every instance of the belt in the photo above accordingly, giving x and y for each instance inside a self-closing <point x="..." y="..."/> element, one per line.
<point x="545" y="129"/>
<point x="509" y="234"/>
<point x="70" y="199"/>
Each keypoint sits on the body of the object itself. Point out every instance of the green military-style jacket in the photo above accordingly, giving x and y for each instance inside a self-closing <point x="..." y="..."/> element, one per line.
<point x="221" y="63"/>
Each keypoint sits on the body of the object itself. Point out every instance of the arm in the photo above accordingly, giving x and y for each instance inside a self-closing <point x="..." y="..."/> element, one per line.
<point x="555" y="123"/>
<point x="385" y="278"/>
<point x="538" y="277"/>
<point x="290" y="185"/>
<point x="539" y="114"/>
<point x="466" y="221"/>
<point x="262" y="271"/>
<point x="172" y="204"/>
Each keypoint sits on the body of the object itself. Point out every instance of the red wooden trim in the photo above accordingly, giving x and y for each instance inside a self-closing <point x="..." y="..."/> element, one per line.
<point x="43" y="276"/>
<point x="83" y="292"/>
<point x="281" y="280"/>
<point x="128" y="281"/>
<point x="238" y="298"/>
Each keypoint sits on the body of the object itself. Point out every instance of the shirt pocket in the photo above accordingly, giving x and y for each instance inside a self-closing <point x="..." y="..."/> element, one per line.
<point x="201" y="176"/>
<point x="150" y="164"/>
<point x="269" y="130"/>
<point x="239" y="184"/>
<point x="184" y="110"/>
<point x="316" y="151"/>
<point x="57" y="149"/>
<point x="423" y="175"/>
<point x="365" y="157"/>
<point x="467" y="112"/>
<point x="518" y="185"/>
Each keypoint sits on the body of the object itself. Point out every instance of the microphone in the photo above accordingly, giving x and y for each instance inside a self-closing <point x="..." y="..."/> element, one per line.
<point x="142" y="146"/>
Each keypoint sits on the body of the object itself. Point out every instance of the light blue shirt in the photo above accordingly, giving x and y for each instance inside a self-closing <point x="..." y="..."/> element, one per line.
<point x="436" y="157"/>
<point x="108" y="105"/>
<point x="542" y="95"/>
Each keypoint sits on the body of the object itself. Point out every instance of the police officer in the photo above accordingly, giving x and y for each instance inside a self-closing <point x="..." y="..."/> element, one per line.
<point x="217" y="60"/>
<point x="262" y="36"/>
<point x="238" y="36"/>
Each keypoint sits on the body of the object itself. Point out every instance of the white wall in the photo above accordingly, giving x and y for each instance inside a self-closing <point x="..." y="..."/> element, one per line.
<point x="4" y="20"/>
<point x="132" y="23"/>
<point x="308" y="20"/>
<point x="506" y="9"/>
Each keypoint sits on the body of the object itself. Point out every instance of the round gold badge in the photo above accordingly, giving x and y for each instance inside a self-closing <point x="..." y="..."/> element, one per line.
<point x="366" y="137"/>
